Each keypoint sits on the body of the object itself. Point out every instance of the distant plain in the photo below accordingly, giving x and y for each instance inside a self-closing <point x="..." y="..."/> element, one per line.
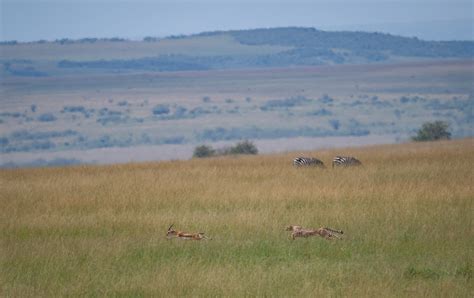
<point x="189" y="108"/>
<point x="78" y="101"/>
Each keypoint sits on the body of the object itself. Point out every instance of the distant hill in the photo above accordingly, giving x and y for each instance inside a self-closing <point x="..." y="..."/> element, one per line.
<point x="372" y="46"/>
<point x="258" y="48"/>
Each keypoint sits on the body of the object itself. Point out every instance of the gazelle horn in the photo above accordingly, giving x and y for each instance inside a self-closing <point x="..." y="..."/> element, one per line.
<point x="170" y="227"/>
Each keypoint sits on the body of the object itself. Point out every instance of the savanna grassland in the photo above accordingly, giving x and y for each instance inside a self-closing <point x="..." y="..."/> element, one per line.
<point x="80" y="117"/>
<point x="69" y="102"/>
<point x="100" y="230"/>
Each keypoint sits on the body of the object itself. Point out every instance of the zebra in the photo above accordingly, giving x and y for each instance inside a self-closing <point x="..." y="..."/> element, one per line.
<point x="345" y="161"/>
<point x="308" y="161"/>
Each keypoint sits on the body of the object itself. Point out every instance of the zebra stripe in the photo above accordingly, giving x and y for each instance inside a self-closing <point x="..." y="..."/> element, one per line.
<point x="307" y="161"/>
<point x="345" y="161"/>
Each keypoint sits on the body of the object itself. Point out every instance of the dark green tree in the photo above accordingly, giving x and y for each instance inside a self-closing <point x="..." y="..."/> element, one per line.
<point x="432" y="131"/>
<point x="203" y="151"/>
<point x="244" y="147"/>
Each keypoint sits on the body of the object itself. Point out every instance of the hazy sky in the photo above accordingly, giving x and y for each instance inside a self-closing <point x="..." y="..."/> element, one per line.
<point x="27" y="20"/>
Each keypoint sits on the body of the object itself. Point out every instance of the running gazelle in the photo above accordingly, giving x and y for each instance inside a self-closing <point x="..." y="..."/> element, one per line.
<point x="182" y="235"/>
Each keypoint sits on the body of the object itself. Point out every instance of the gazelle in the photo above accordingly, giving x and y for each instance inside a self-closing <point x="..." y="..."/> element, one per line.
<point x="325" y="232"/>
<point x="182" y="235"/>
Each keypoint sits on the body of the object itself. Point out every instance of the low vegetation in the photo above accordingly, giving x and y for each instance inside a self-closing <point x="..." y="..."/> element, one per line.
<point x="100" y="230"/>
<point x="203" y="108"/>
<point x="203" y="151"/>
<point x="433" y="131"/>
<point x="242" y="147"/>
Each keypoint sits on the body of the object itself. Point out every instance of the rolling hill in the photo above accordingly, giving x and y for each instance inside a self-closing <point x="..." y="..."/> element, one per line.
<point x="258" y="48"/>
<point x="115" y="100"/>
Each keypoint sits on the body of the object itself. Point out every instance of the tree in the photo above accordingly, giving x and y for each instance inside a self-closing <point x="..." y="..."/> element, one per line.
<point x="161" y="109"/>
<point x="432" y="131"/>
<point x="203" y="151"/>
<point x="244" y="147"/>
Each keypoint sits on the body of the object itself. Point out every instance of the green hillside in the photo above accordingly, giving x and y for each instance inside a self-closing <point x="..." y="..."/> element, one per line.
<point x="258" y="48"/>
<point x="355" y="43"/>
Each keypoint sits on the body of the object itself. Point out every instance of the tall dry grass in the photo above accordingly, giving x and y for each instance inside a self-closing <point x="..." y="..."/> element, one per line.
<point x="99" y="230"/>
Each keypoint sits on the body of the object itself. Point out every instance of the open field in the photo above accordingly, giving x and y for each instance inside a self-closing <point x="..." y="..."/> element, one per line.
<point x="99" y="230"/>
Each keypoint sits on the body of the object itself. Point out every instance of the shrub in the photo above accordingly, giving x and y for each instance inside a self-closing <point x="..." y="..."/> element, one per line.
<point x="114" y="119"/>
<point x="3" y="141"/>
<point x="22" y="135"/>
<point x="326" y="99"/>
<point x="28" y="71"/>
<point x="74" y="109"/>
<point x="398" y="113"/>
<point x="41" y="145"/>
<point x="173" y="140"/>
<point x="150" y="39"/>
<point x="9" y="42"/>
<point x="284" y="103"/>
<point x="47" y="117"/>
<point x="161" y="109"/>
<point x="405" y="99"/>
<point x="203" y="151"/>
<point x="199" y="111"/>
<point x="320" y="112"/>
<point x="334" y="123"/>
<point x="244" y="147"/>
<point x="432" y="131"/>
<point x="88" y="40"/>
<point x="12" y="114"/>
<point x="180" y="112"/>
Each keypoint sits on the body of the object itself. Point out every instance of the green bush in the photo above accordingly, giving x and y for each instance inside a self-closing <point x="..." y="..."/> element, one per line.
<point x="244" y="147"/>
<point x="203" y="151"/>
<point x="432" y="131"/>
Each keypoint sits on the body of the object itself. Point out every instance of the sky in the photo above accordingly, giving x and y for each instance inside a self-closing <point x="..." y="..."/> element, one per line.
<point x="30" y="20"/>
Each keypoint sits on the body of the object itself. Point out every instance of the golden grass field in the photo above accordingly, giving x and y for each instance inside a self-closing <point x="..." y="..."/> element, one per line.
<point x="100" y="230"/>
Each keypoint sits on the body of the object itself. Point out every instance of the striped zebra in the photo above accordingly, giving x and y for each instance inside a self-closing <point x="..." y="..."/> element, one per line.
<point x="345" y="161"/>
<point x="307" y="161"/>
